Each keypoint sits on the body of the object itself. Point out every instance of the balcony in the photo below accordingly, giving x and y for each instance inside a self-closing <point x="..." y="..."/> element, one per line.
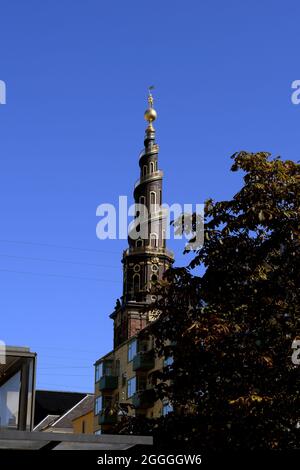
<point x="143" y="361"/>
<point x="143" y="399"/>
<point x="153" y="149"/>
<point x="107" y="418"/>
<point x="148" y="250"/>
<point x="108" y="382"/>
<point x="149" y="177"/>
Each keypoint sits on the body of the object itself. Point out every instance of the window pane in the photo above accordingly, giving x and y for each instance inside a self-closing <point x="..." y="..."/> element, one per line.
<point x="131" y="387"/>
<point x="132" y="350"/>
<point x="9" y="402"/>
<point x="167" y="408"/>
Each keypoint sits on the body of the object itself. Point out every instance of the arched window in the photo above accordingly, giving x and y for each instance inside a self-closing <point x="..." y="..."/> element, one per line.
<point x="142" y="203"/>
<point x="152" y="198"/>
<point x="160" y="198"/>
<point x="151" y="167"/>
<point x="139" y="242"/>
<point x="153" y="240"/>
<point x="136" y="282"/>
<point x="144" y="170"/>
<point x="154" y="278"/>
<point x="156" y="165"/>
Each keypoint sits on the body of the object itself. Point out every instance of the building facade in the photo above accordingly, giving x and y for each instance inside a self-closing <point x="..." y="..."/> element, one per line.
<point x="122" y="382"/>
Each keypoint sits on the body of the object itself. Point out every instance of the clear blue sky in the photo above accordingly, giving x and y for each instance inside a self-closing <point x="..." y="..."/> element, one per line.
<point x="76" y="74"/>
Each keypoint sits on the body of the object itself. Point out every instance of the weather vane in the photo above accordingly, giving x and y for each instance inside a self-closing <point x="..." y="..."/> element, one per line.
<point x="150" y="97"/>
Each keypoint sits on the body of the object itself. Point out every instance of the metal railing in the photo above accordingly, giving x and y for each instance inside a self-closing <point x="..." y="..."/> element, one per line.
<point x="154" y="175"/>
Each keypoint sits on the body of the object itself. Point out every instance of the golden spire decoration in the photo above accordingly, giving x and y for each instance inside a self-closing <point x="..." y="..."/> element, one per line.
<point x="150" y="113"/>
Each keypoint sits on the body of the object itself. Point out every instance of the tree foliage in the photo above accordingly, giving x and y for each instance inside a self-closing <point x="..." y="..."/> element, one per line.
<point x="232" y="382"/>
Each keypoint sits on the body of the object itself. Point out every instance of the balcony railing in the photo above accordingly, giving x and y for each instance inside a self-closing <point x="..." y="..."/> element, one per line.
<point x="108" y="382"/>
<point x="149" y="177"/>
<point x="148" y="249"/>
<point x="143" y="361"/>
<point x="154" y="149"/>
<point x="143" y="399"/>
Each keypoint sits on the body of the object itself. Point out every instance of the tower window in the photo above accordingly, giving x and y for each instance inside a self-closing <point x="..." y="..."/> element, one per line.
<point x="136" y="282"/>
<point x="153" y="198"/>
<point x="154" y="240"/>
<point x="142" y="204"/>
<point x="144" y="170"/>
<point x="151" y="167"/>
<point x="139" y="242"/>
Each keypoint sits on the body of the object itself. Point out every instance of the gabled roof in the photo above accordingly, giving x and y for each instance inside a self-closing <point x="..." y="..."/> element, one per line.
<point x="46" y="422"/>
<point x="81" y="408"/>
<point x="50" y="402"/>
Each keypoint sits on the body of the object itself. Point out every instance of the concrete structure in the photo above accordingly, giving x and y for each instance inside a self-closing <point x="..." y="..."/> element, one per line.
<point x="122" y="376"/>
<point x="17" y="388"/>
<point x="24" y="440"/>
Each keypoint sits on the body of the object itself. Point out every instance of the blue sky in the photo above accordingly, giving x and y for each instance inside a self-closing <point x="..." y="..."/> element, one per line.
<point x="76" y="73"/>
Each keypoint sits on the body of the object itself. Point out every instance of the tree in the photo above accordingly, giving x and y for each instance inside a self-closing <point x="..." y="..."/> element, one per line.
<point x="232" y="382"/>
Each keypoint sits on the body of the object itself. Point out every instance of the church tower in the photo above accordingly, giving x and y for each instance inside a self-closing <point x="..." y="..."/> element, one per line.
<point x="146" y="258"/>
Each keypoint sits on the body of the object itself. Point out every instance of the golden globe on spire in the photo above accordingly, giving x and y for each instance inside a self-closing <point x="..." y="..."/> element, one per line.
<point x="150" y="113"/>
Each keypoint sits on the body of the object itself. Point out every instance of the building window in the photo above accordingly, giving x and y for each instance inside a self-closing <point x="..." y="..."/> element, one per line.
<point x="167" y="408"/>
<point x="83" y="427"/>
<point x="132" y="350"/>
<point x="139" y="242"/>
<point x="131" y="387"/>
<point x="104" y="368"/>
<point x="168" y="361"/>
<point x="151" y="167"/>
<point x="98" y="405"/>
<point x="144" y="170"/>
<point x="98" y="371"/>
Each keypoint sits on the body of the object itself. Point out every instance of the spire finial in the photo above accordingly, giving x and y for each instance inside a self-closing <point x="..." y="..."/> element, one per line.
<point x="150" y="113"/>
<point x="150" y="97"/>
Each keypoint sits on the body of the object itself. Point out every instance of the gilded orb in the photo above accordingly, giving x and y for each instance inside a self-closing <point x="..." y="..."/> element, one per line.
<point x="150" y="115"/>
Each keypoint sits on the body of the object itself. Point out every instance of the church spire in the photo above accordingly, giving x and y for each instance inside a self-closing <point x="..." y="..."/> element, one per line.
<point x="150" y="115"/>
<point x="147" y="257"/>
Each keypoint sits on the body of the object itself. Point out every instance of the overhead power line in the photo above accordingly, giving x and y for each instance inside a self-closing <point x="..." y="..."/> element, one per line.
<point x="59" y="261"/>
<point x="58" y="275"/>
<point x="50" y="245"/>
